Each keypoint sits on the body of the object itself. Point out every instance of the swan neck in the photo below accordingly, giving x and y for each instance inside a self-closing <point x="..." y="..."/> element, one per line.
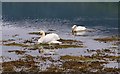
<point x="43" y="34"/>
<point x="73" y="29"/>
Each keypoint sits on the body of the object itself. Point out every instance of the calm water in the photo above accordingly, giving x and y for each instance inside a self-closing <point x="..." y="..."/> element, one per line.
<point x="22" y="18"/>
<point x="56" y="16"/>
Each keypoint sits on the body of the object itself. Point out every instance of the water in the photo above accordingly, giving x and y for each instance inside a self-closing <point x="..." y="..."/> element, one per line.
<point x="23" y="18"/>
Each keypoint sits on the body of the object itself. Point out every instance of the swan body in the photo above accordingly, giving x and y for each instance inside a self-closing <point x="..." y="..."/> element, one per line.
<point x="82" y="33"/>
<point x="49" y="38"/>
<point x="76" y="28"/>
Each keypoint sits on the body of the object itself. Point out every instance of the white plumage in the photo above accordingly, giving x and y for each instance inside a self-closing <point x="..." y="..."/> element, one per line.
<point x="76" y="28"/>
<point x="49" y="38"/>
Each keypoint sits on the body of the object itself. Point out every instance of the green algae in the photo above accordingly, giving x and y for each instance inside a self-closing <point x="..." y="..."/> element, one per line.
<point x="108" y="39"/>
<point x="51" y="30"/>
<point x="81" y="64"/>
<point x="37" y="33"/>
<point x="65" y="44"/>
<point x="15" y="35"/>
<point x="26" y="63"/>
<point x="115" y="70"/>
<point x="94" y="57"/>
<point x="34" y="33"/>
<point x="18" y="52"/>
<point x="60" y="46"/>
<point x="109" y="50"/>
<point x="104" y="54"/>
<point x="15" y="44"/>
<point x="77" y="58"/>
<point x="28" y="41"/>
<point x="68" y="46"/>
<point x="79" y="67"/>
<point x="69" y="41"/>
<point x="69" y="64"/>
<point x="30" y="65"/>
<point x="9" y="40"/>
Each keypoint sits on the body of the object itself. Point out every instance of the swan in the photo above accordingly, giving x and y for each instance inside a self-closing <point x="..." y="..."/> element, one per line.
<point x="49" y="38"/>
<point x="76" y="28"/>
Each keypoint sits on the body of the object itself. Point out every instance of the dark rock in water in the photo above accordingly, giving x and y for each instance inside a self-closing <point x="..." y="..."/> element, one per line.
<point x="15" y="35"/>
<point x="51" y="30"/>
<point x="29" y="26"/>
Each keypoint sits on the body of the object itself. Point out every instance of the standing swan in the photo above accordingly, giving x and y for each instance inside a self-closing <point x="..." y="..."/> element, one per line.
<point x="49" y="38"/>
<point x="76" y="28"/>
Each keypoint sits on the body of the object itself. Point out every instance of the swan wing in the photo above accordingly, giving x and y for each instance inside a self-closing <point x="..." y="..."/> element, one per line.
<point x="50" y="37"/>
<point x="55" y="42"/>
<point x="53" y="36"/>
<point x="56" y="37"/>
<point x="79" y="28"/>
<point x="40" y="40"/>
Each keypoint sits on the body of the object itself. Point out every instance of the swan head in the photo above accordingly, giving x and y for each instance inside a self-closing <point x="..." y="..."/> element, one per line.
<point x="73" y="28"/>
<point x="42" y="32"/>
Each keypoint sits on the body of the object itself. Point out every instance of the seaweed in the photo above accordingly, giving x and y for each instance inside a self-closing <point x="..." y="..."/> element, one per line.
<point x="18" y="52"/>
<point x="37" y="33"/>
<point x="108" y="39"/>
<point x="77" y="58"/>
<point x="16" y="44"/>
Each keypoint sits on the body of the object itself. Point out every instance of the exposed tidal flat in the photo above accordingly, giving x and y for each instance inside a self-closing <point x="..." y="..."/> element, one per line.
<point x="77" y="53"/>
<point x="94" y="51"/>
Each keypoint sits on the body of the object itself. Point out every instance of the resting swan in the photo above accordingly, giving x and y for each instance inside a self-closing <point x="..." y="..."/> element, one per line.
<point x="49" y="38"/>
<point x="76" y="28"/>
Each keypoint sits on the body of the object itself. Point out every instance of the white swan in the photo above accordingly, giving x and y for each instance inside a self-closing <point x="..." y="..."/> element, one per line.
<point x="49" y="38"/>
<point x="76" y="28"/>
